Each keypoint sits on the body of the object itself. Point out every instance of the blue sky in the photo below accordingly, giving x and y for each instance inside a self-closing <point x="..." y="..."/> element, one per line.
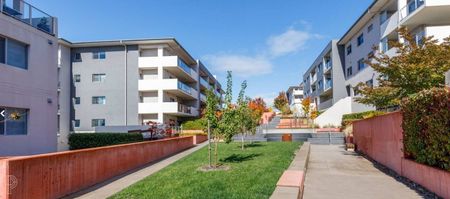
<point x="266" y="42"/>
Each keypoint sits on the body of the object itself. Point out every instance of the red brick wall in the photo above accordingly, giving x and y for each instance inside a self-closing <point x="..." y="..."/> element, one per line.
<point x="381" y="138"/>
<point x="200" y="138"/>
<point x="55" y="175"/>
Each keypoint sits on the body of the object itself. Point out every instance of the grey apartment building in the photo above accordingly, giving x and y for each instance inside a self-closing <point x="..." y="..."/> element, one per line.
<point x="129" y="83"/>
<point x="332" y="79"/>
<point x="28" y="79"/>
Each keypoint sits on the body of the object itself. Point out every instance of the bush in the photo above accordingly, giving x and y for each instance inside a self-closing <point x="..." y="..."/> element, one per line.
<point x="199" y="124"/>
<point x="349" y="118"/>
<point x="90" y="140"/>
<point x="426" y="125"/>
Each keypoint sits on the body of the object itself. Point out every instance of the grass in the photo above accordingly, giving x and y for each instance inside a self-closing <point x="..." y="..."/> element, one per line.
<point x="253" y="173"/>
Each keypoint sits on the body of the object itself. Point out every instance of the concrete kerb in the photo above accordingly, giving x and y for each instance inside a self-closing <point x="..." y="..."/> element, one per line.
<point x="286" y="188"/>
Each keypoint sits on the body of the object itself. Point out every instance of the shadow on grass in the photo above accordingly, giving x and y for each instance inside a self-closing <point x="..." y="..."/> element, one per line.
<point x="254" y="144"/>
<point x="236" y="158"/>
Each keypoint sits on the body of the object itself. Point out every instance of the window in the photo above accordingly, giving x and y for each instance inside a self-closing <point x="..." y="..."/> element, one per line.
<point x="2" y="50"/>
<point x="361" y="64"/>
<point x="370" y="28"/>
<point x="349" y="49"/>
<point x="383" y="16"/>
<point x="349" y="71"/>
<point x="384" y="45"/>
<point x="98" y="77"/>
<point x="13" y="53"/>
<point x="99" y="55"/>
<point x="76" y="123"/>
<point x="13" y="121"/>
<point x="77" y="100"/>
<point x="99" y="100"/>
<point x="98" y="122"/>
<point x="77" y="78"/>
<point x="361" y="39"/>
<point x="77" y="57"/>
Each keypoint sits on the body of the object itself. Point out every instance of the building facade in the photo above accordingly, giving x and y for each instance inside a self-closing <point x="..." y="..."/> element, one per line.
<point x="132" y="82"/>
<point x="366" y="38"/>
<point x="295" y="96"/>
<point x="28" y="80"/>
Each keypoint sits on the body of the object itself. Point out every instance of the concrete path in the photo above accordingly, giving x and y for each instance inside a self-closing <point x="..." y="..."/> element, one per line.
<point x="335" y="173"/>
<point x="109" y="188"/>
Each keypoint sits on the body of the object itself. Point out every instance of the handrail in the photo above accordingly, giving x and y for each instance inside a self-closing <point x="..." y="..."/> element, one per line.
<point x="410" y="8"/>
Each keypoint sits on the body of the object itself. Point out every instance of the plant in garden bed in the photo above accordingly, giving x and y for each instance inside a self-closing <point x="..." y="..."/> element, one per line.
<point x="90" y="140"/>
<point x="426" y="125"/>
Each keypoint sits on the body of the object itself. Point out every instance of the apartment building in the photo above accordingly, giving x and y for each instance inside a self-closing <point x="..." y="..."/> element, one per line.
<point x="325" y="72"/>
<point x="28" y="79"/>
<point x="295" y="96"/>
<point x="367" y="37"/>
<point x="132" y="82"/>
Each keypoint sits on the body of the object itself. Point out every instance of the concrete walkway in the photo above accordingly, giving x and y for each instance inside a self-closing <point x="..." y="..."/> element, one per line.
<point x="335" y="173"/>
<point x="110" y="187"/>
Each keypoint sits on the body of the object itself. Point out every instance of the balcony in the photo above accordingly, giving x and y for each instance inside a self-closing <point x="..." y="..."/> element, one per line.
<point x="328" y="84"/>
<point x="390" y="25"/>
<point x="173" y="86"/>
<point x="28" y="14"/>
<point x="204" y="84"/>
<point x="173" y="108"/>
<point x="173" y="64"/>
<point x="324" y="105"/>
<point x="420" y="12"/>
<point x="202" y="97"/>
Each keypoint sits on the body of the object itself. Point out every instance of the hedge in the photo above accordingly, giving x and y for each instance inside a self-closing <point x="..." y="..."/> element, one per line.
<point x="198" y="124"/>
<point x="348" y="118"/>
<point x="90" y="140"/>
<point x="426" y="125"/>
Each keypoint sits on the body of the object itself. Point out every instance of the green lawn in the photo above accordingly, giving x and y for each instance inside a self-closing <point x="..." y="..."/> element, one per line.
<point x="254" y="173"/>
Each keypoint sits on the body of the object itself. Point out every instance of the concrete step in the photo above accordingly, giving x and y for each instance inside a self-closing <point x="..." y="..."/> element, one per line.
<point x="327" y="135"/>
<point x="327" y="141"/>
<point x="295" y="136"/>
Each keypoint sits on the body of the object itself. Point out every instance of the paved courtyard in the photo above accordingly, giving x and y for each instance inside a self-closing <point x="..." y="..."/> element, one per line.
<point x="335" y="173"/>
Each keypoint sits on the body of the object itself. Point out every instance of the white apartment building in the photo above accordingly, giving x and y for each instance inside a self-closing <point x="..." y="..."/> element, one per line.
<point x="295" y="97"/>
<point x="374" y="28"/>
<point x="28" y="79"/>
<point x="132" y="82"/>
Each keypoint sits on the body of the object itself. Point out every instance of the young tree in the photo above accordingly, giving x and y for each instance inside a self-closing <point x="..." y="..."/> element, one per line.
<point x="416" y="67"/>
<point x="245" y="119"/>
<point x="281" y="103"/>
<point x="212" y="107"/>
<point x="306" y="106"/>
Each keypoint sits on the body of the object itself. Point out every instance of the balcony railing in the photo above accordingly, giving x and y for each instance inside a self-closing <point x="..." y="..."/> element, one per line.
<point x="328" y="65"/>
<point x="28" y="14"/>
<point x="182" y="86"/>
<point x="185" y="67"/>
<point x="410" y="8"/>
<point x="204" y="82"/>
<point x="203" y="97"/>
<point x="185" y="109"/>
<point x="328" y="84"/>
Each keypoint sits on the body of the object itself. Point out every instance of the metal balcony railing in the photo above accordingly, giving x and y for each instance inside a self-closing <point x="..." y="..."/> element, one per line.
<point x="328" y="84"/>
<point x="185" y="109"/>
<point x="182" y="86"/>
<point x="185" y="67"/>
<point x="28" y="14"/>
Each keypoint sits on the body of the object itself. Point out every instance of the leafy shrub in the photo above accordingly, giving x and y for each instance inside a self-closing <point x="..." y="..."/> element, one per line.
<point x="193" y="133"/>
<point x="349" y="118"/>
<point x="90" y="140"/>
<point x="199" y="124"/>
<point x="426" y="125"/>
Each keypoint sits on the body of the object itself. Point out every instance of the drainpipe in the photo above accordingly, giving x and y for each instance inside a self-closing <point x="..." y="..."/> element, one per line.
<point x="126" y="81"/>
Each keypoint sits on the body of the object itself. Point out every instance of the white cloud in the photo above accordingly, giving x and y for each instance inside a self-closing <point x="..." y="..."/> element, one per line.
<point x="288" y="42"/>
<point x="241" y="65"/>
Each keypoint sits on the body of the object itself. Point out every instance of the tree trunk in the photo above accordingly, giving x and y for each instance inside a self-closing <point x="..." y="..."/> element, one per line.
<point x="215" y="152"/>
<point x="242" y="142"/>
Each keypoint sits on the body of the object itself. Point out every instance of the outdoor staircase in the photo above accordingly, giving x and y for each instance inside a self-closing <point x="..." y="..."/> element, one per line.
<point x="258" y="137"/>
<point x="327" y="138"/>
<point x="274" y="122"/>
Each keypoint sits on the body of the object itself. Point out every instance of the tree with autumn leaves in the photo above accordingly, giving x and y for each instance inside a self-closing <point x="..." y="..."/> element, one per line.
<point x="415" y="67"/>
<point x="282" y="104"/>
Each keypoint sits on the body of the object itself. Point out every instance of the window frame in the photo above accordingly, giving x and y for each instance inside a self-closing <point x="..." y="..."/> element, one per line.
<point x="77" y="100"/>
<point x="351" y="71"/>
<point x="95" y="100"/>
<point x="361" y="61"/>
<point x="6" y="41"/>
<point x="99" y="55"/>
<point x="360" y="39"/>
<point x="5" y="123"/>
<point x="75" y="79"/>
<point x="349" y="49"/>
<point x="75" y="121"/>
<point x="101" y="79"/>
<point x="97" y="122"/>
